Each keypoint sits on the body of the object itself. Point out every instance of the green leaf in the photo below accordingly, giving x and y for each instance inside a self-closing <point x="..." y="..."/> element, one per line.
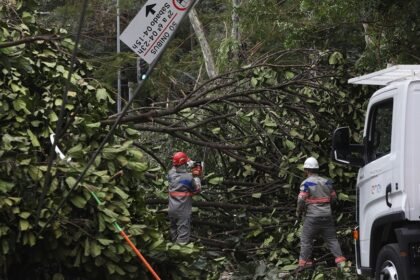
<point x="156" y="243"/>
<point x="58" y="276"/>
<point x="70" y="181"/>
<point x="289" y="75"/>
<point x="6" y="186"/>
<point x="250" y="114"/>
<point x="269" y="122"/>
<point x="343" y="197"/>
<point x="35" y="173"/>
<point x="216" y="130"/>
<point x="136" y="154"/>
<point x="268" y="241"/>
<point x="216" y="180"/>
<point x="289" y="267"/>
<point x="256" y="195"/>
<point x="124" y="161"/>
<point x="101" y="222"/>
<point x="76" y="150"/>
<point x="105" y="242"/>
<point x="52" y="116"/>
<point x="94" y="125"/>
<point x="24" y="215"/>
<point x="60" y="68"/>
<point x="34" y="139"/>
<point x="20" y="105"/>
<point x="78" y="201"/>
<point x="336" y="58"/>
<point x="49" y="64"/>
<point x="291" y="237"/>
<point x="137" y="166"/>
<point x="254" y="81"/>
<point x="132" y="132"/>
<point x="110" y="213"/>
<point x="23" y="225"/>
<point x="290" y="145"/>
<point x="31" y="239"/>
<point x="111" y="267"/>
<point x="121" y="193"/>
<point x="101" y="94"/>
<point x="5" y="246"/>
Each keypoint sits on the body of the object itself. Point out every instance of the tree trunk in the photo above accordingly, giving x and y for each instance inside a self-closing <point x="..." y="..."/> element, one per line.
<point x="235" y="33"/>
<point x="205" y="47"/>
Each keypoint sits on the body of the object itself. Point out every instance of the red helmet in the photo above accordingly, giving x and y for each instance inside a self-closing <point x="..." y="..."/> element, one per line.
<point x="179" y="158"/>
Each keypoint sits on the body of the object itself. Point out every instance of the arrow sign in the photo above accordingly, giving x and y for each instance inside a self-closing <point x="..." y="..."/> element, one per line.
<point x="153" y="26"/>
<point x="149" y="9"/>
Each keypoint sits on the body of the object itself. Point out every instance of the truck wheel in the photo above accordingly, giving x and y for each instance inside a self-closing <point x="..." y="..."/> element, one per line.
<point x="389" y="265"/>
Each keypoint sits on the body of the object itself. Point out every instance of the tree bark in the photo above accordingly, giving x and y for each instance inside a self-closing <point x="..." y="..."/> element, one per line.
<point x="27" y="40"/>
<point x="205" y="47"/>
<point x="235" y="33"/>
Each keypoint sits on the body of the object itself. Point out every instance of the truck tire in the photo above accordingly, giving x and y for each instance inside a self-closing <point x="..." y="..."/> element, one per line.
<point x="389" y="265"/>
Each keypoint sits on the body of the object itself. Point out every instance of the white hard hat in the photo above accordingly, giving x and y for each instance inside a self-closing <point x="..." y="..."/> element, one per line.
<point x="311" y="163"/>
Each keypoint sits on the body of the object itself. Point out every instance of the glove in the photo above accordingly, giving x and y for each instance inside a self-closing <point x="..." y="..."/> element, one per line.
<point x="196" y="171"/>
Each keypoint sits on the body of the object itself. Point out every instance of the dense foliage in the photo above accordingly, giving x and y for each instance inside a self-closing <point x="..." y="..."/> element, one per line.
<point x="281" y="91"/>
<point x="81" y="242"/>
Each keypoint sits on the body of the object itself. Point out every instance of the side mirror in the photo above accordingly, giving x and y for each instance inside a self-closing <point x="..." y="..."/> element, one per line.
<point x="343" y="152"/>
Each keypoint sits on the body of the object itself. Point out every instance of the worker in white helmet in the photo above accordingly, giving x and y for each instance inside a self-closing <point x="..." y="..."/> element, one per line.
<point x="314" y="203"/>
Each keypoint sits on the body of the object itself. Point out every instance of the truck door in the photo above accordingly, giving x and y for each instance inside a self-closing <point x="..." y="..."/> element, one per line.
<point x="412" y="151"/>
<point x="376" y="176"/>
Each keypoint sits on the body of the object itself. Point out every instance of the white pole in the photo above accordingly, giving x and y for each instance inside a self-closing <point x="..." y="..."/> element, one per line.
<point x="118" y="51"/>
<point x="130" y="90"/>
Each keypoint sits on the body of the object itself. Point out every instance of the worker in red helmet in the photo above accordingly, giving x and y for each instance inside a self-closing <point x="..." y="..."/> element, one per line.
<point x="183" y="184"/>
<point x="314" y="203"/>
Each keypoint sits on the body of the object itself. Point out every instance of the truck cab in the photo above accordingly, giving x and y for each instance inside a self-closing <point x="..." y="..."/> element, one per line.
<point x="387" y="234"/>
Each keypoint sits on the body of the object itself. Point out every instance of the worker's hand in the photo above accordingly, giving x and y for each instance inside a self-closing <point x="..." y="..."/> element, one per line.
<point x="196" y="171"/>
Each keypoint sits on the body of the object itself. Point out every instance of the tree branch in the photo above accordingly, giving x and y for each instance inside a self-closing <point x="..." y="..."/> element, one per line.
<point x="29" y="40"/>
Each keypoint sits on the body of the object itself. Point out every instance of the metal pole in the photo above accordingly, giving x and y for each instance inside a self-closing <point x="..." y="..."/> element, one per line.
<point x="130" y="90"/>
<point x="118" y="52"/>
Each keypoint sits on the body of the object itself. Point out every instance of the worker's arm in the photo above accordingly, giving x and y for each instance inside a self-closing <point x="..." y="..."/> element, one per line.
<point x="301" y="201"/>
<point x="333" y="194"/>
<point x="197" y="185"/>
<point x="196" y="172"/>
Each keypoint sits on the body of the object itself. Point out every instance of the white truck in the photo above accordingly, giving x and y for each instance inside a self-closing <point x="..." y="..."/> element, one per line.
<point x="387" y="232"/>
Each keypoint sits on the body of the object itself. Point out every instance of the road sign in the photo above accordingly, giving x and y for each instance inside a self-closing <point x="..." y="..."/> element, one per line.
<point x="152" y="27"/>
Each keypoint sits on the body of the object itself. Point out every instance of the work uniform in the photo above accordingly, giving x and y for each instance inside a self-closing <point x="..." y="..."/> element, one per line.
<point x="182" y="186"/>
<point x="314" y="200"/>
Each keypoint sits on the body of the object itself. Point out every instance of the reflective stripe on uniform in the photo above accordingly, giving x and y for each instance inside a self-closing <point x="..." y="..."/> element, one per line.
<point x="340" y="259"/>
<point x="305" y="262"/>
<point x="303" y="195"/>
<point x="315" y="200"/>
<point x="180" y="194"/>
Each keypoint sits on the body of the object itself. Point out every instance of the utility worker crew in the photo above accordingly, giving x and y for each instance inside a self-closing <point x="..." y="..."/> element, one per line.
<point x="314" y="203"/>
<point x="182" y="186"/>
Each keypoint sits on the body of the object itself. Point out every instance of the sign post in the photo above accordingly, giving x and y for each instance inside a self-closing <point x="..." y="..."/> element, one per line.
<point x="151" y="29"/>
